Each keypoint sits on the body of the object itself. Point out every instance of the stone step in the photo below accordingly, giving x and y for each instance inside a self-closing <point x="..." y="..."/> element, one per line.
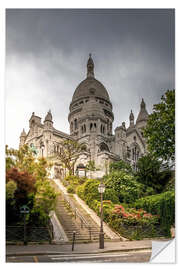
<point x="70" y="223"/>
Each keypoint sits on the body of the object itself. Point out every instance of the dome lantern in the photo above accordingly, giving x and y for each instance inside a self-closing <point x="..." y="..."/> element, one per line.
<point x="90" y="67"/>
<point x="131" y="118"/>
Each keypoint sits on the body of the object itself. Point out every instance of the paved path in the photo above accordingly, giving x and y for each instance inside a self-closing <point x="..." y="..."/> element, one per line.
<point x="79" y="248"/>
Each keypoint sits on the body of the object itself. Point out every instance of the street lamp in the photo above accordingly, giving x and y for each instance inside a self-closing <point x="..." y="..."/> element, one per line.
<point x="42" y="148"/>
<point x="101" y="189"/>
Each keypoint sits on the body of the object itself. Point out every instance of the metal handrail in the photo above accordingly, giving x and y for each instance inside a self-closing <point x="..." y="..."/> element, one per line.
<point x="77" y="214"/>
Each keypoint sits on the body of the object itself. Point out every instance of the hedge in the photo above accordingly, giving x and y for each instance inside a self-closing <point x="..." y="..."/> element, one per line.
<point x="162" y="205"/>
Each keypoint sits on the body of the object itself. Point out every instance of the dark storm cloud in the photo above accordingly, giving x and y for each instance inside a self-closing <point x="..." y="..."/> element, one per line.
<point x="133" y="51"/>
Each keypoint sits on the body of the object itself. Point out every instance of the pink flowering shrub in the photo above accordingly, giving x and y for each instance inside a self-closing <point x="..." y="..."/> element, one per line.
<point x="131" y="216"/>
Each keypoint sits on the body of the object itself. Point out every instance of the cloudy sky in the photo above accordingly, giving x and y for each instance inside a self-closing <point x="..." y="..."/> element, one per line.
<point x="47" y="52"/>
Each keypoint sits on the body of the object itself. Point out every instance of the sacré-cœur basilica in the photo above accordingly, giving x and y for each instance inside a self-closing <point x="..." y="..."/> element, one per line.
<point x="90" y="120"/>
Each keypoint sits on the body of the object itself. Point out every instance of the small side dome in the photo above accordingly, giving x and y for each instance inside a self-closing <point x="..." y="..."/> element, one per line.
<point x="48" y="116"/>
<point x="143" y="114"/>
<point x="23" y="133"/>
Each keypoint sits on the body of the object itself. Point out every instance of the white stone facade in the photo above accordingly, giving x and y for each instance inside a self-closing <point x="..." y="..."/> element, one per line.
<point x="90" y="119"/>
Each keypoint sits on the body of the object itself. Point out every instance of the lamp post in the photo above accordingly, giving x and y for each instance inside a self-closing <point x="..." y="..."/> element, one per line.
<point x="101" y="189"/>
<point x="42" y="148"/>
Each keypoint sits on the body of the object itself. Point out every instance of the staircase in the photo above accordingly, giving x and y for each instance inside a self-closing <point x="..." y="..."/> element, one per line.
<point x="73" y="218"/>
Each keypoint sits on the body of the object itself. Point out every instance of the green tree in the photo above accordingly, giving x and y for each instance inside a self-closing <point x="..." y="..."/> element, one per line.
<point x="120" y="166"/>
<point x="11" y="187"/>
<point x="160" y="129"/>
<point x="33" y="188"/>
<point x="91" y="167"/>
<point x="148" y="168"/>
<point x="25" y="161"/>
<point x="69" y="154"/>
<point x="124" y="186"/>
<point x="44" y="199"/>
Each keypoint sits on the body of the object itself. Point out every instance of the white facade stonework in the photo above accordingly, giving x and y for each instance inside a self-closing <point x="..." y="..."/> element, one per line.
<point x="90" y="119"/>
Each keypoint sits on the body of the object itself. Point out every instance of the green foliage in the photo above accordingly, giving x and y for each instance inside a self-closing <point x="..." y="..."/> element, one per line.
<point x="32" y="186"/>
<point x="70" y="152"/>
<point x="120" y="166"/>
<point x="111" y="194"/>
<point x="72" y="179"/>
<point x="80" y="192"/>
<point x="45" y="197"/>
<point x="125" y="186"/>
<point x="161" y="204"/>
<point x="170" y="186"/>
<point x="24" y="160"/>
<point x="11" y="187"/>
<point x="91" y="167"/>
<point x="71" y="189"/>
<point x="160" y="129"/>
<point x="91" y="190"/>
<point x="148" y="173"/>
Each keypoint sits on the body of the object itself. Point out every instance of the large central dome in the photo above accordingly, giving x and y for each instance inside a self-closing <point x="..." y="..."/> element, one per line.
<point x="90" y="86"/>
<point x="90" y="111"/>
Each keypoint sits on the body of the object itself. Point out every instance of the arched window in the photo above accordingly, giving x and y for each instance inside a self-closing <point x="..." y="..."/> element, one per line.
<point x="75" y="124"/>
<point x="104" y="147"/>
<point x="91" y="126"/>
<point x="135" y="153"/>
<point x="128" y="152"/>
<point x="84" y="147"/>
<point x="71" y="126"/>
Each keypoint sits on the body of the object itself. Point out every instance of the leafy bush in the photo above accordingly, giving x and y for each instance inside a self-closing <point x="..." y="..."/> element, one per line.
<point x="71" y="189"/>
<point x="161" y="204"/>
<point x="129" y="222"/>
<point x="82" y="180"/>
<point x="80" y="192"/>
<point x="72" y="179"/>
<point x="91" y="190"/>
<point x="110" y="194"/>
<point x="65" y="182"/>
<point x="170" y="186"/>
<point x="125" y="186"/>
<point x="11" y="187"/>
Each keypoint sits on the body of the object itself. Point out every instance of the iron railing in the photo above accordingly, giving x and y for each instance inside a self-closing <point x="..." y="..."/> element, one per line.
<point x="33" y="234"/>
<point x="140" y="232"/>
<point x="77" y="214"/>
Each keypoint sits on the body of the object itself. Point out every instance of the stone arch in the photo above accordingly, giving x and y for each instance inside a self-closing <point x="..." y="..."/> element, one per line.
<point x="84" y="147"/>
<point x="103" y="147"/>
